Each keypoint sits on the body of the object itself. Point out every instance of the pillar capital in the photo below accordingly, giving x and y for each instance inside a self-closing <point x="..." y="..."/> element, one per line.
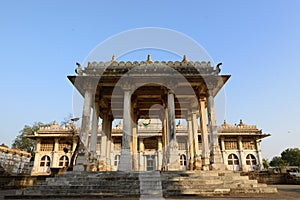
<point x="202" y="97"/>
<point x="128" y="86"/>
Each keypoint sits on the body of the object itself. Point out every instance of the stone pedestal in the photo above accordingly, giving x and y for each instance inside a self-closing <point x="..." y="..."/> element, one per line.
<point x="197" y="163"/>
<point x="173" y="163"/>
<point x="125" y="161"/>
<point x="81" y="160"/>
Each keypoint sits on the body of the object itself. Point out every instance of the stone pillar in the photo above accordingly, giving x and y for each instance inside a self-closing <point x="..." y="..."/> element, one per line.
<point x="204" y="137"/>
<point x="142" y="149"/>
<point x="259" y="156"/>
<point x="37" y="158"/>
<point x="215" y="153"/>
<point x="55" y="158"/>
<point x="108" y="143"/>
<point x="93" y="140"/>
<point x="125" y="158"/>
<point x="242" y="156"/>
<point x="74" y="146"/>
<point x="165" y="139"/>
<point x="173" y="158"/>
<point x="103" y="147"/>
<point x="223" y="148"/>
<point x="197" y="160"/>
<point x="159" y="152"/>
<point x="81" y="160"/>
<point x="191" y="147"/>
<point x="38" y="145"/>
<point x="134" y="142"/>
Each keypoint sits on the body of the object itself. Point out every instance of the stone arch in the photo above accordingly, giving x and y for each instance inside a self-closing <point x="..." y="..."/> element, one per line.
<point x="233" y="162"/>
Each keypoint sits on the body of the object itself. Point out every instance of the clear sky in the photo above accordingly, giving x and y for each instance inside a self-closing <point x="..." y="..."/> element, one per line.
<point x="258" y="43"/>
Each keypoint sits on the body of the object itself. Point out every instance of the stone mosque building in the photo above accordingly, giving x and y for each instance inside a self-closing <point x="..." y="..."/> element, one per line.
<point x="240" y="146"/>
<point x="166" y="121"/>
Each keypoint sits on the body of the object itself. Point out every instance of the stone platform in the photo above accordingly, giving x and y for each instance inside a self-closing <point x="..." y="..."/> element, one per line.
<point x="142" y="185"/>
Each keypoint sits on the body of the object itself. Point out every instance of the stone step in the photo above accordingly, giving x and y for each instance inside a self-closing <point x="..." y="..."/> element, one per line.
<point x="145" y="185"/>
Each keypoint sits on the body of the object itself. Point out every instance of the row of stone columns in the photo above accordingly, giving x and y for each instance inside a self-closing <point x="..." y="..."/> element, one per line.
<point x="128" y="160"/>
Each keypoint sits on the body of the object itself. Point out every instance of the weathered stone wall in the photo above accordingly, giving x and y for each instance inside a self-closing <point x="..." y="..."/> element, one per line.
<point x="13" y="161"/>
<point x="273" y="178"/>
<point x="20" y="181"/>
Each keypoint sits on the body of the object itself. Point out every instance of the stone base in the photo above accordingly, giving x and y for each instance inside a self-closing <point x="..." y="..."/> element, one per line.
<point x="125" y="161"/>
<point x="205" y="164"/>
<point x="81" y="162"/>
<point x="218" y="166"/>
<point x="197" y="163"/>
<point x="173" y="164"/>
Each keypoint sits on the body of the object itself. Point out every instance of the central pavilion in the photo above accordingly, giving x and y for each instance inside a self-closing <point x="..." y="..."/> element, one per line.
<point x="149" y="90"/>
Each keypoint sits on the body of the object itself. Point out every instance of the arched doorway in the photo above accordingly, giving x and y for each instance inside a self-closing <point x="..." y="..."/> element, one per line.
<point x="64" y="161"/>
<point x="233" y="162"/>
<point x="150" y="162"/>
<point x="251" y="162"/>
<point x="182" y="161"/>
<point x="45" y="164"/>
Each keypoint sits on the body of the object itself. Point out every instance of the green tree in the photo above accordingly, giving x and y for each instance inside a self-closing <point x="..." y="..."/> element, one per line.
<point x="265" y="163"/>
<point x="26" y="144"/>
<point x="291" y="156"/>
<point x="277" y="161"/>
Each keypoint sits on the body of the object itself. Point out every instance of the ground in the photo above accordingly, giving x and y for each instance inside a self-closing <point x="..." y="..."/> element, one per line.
<point x="285" y="192"/>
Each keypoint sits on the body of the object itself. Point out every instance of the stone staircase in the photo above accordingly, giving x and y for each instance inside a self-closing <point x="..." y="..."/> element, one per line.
<point x="210" y="183"/>
<point x="84" y="185"/>
<point x="142" y="185"/>
<point x="150" y="186"/>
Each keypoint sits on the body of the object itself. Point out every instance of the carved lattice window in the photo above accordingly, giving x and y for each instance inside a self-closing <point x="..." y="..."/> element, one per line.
<point x="231" y="145"/>
<point x="248" y="145"/>
<point x="46" y="147"/>
<point x="61" y="147"/>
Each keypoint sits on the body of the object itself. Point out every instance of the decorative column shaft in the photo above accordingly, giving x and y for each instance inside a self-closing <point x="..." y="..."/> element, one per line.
<point x="259" y="156"/>
<point x="215" y="153"/>
<point x="108" y="144"/>
<point x="159" y="152"/>
<point x="134" y="141"/>
<point x="93" y="140"/>
<point x="141" y="158"/>
<point x="197" y="160"/>
<point x="242" y="156"/>
<point x="82" y="156"/>
<point x="191" y="147"/>
<point x="125" y="158"/>
<point x="86" y="115"/>
<point x="173" y="160"/>
<point x="103" y="147"/>
<point x="204" y="137"/>
<point x="165" y="139"/>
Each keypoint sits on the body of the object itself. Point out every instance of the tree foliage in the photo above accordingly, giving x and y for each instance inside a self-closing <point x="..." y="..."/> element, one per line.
<point x="292" y="156"/>
<point x="289" y="157"/>
<point x="277" y="161"/>
<point x="265" y="163"/>
<point x="26" y="144"/>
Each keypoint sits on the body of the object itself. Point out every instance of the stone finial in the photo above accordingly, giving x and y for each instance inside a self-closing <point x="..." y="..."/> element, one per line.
<point x="218" y="69"/>
<point x="185" y="59"/>
<point x="225" y="124"/>
<point x="113" y="58"/>
<point x="242" y="123"/>
<point x="149" y="59"/>
<point x="78" y="70"/>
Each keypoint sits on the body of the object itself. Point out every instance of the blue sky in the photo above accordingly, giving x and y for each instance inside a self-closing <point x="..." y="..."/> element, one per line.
<point x="257" y="42"/>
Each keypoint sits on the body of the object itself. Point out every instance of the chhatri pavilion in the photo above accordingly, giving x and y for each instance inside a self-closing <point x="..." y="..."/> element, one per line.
<point x="158" y="94"/>
<point x="158" y="136"/>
